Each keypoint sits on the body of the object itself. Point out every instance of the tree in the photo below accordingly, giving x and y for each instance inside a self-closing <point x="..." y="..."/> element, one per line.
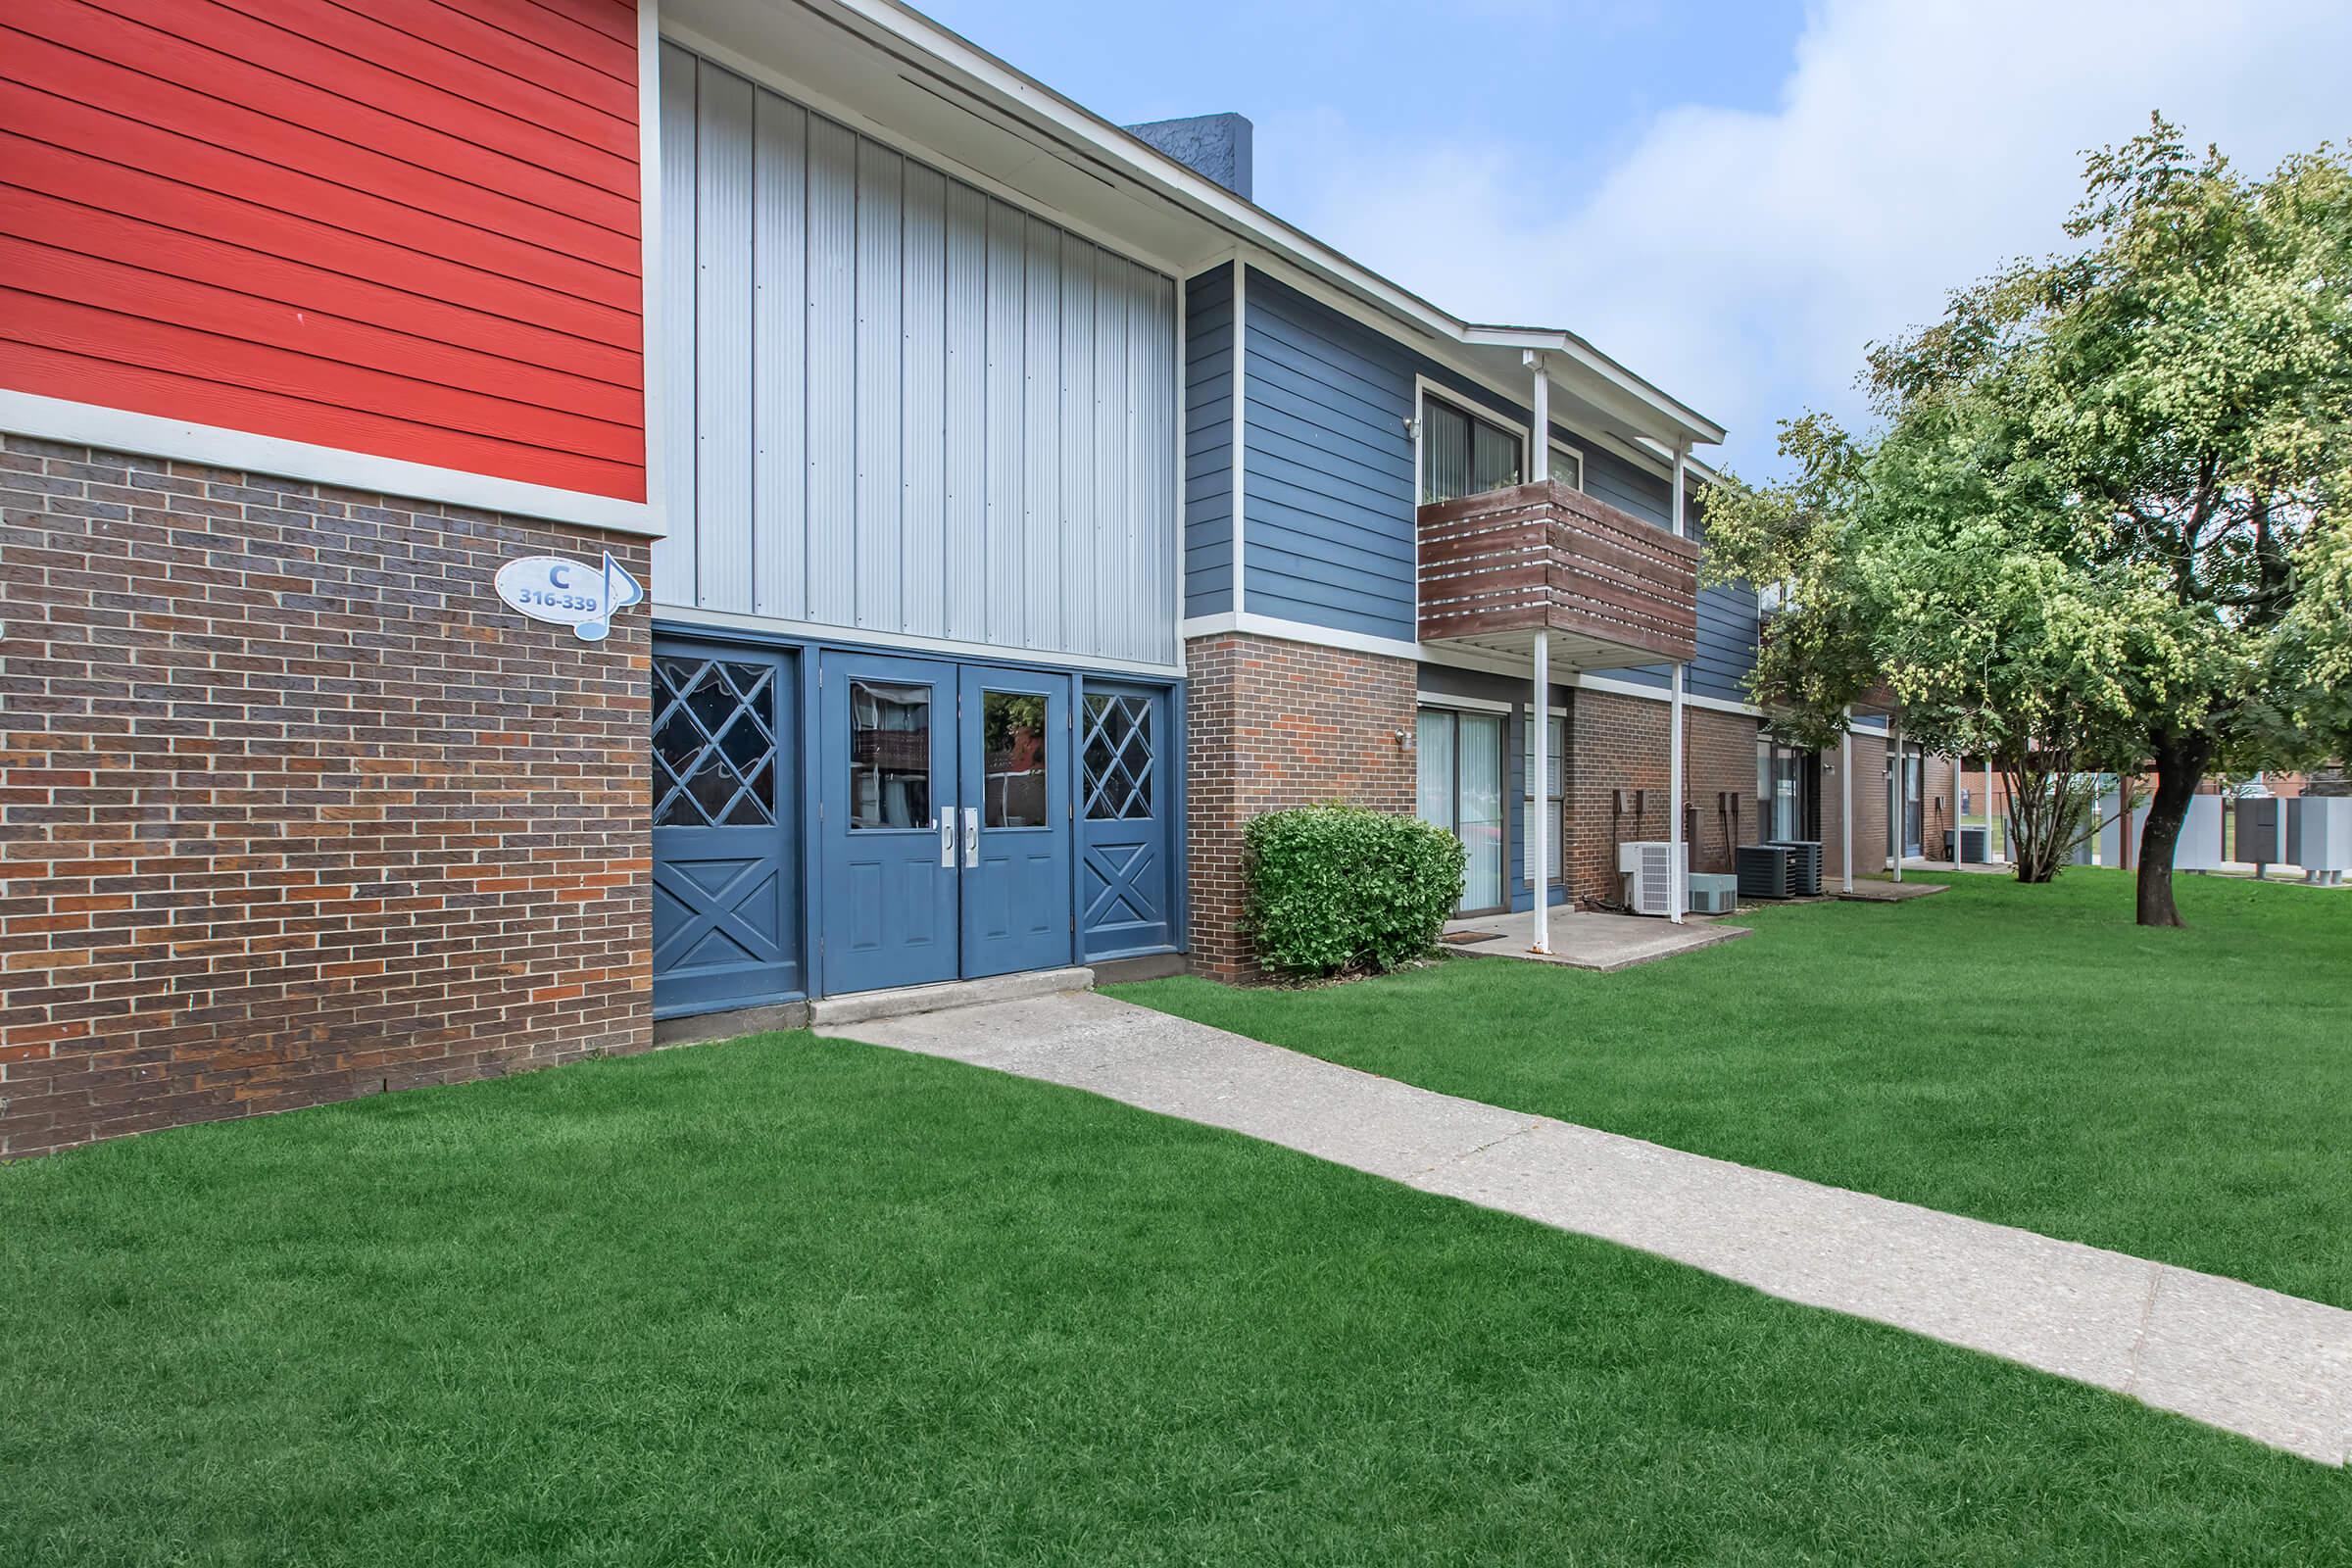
<point x="2100" y="524"/>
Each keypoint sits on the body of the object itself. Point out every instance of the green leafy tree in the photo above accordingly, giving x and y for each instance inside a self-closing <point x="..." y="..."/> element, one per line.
<point x="2102" y="524"/>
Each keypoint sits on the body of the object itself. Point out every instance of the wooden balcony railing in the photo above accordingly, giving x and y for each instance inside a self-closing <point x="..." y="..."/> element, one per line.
<point x="1499" y="566"/>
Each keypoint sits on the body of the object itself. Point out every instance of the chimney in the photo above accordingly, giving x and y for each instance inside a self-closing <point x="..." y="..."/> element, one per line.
<point x="1216" y="146"/>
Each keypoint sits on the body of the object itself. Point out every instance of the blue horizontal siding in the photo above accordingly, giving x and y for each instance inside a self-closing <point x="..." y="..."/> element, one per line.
<point x="1327" y="468"/>
<point x="1329" y="481"/>
<point x="1209" y="442"/>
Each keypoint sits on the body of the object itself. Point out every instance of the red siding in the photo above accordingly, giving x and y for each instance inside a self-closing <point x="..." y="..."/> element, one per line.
<point x="406" y="230"/>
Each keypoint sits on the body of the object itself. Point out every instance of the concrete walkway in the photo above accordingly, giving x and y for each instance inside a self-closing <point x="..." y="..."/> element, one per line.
<point x="1584" y="939"/>
<point x="2271" y="1367"/>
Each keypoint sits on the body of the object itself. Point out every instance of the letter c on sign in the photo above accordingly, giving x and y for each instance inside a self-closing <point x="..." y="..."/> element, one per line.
<point x="555" y="576"/>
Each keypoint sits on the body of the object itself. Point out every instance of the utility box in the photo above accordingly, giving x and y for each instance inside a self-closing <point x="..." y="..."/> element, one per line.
<point x="1972" y="845"/>
<point x="2199" y="848"/>
<point x="2318" y="836"/>
<point x="2259" y="830"/>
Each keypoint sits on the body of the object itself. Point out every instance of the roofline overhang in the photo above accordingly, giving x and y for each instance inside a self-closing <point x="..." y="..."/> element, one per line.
<point x="1110" y="151"/>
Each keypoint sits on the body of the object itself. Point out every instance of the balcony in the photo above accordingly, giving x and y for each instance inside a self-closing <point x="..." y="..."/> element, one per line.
<point x="1613" y="591"/>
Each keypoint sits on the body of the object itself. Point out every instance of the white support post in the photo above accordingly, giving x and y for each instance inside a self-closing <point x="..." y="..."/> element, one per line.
<point x="1959" y="822"/>
<point x="1678" y="875"/>
<point x="1989" y="810"/>
<point x="1845" y="799"/>
<point x="1539" y="457"/>
<point x="1895" y="833"/>
<point x="1538" y="809"/>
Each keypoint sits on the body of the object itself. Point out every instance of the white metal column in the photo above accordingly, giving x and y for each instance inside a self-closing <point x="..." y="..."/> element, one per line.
<point x="1988" y="809"/>
<point x="1538" y="809"/>
<point x="1845" y="800"/>
<point x="1538" y="790"/>
<point x="1678" y="875"/>
<point x="1959" y="822"/>
<point x="1894" y="818"/>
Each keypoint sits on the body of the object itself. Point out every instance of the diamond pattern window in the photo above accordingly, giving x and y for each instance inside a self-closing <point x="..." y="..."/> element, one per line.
<point x="1119" y="761"/>
<point x="714" y="743"/>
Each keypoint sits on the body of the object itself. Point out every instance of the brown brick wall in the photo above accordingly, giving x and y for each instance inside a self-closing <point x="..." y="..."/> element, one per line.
<point x="1870" y="808"/>
<point x="1270" y="725"/>
<point x="1618" y="743"/>
<point x="292" y="807"/>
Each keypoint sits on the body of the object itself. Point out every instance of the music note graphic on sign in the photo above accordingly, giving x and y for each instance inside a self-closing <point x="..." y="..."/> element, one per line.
<point x="571" y="592"/>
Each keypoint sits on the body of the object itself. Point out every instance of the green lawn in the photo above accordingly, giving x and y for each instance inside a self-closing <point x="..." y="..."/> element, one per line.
<point x="782" y="1302"/>
<point x="2023" y="1055"/>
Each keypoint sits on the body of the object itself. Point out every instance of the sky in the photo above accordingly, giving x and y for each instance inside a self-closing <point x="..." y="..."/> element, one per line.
<point x="1733" y="198"/>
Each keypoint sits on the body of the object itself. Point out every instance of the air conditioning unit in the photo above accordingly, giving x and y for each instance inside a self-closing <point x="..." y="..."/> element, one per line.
<point x="1804" y="866"/>
<point x="1713" y="893"/>
<point x="1647" y="865"/>
<point x="1765" y="870"/>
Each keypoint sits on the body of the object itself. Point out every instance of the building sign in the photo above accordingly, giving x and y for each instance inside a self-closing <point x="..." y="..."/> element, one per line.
<point x="569" y="593"/>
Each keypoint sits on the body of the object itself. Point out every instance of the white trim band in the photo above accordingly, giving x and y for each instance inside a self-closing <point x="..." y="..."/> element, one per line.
<point x="88" y="425"/>
<point x="719" y="620"/>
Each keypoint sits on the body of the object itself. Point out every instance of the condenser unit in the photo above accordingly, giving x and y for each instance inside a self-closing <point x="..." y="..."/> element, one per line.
<point x="1766" y="870"/>
<point x="1713" y="893"/>
<point x="1804" y="866"/>
<point x="1648" y="868"/>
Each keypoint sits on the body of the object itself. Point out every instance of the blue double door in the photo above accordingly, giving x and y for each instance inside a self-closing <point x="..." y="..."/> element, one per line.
<point x="943" y="820"/>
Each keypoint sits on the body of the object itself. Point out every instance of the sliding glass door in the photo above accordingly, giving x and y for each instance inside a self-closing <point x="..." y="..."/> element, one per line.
<point x="1461" y="789"/>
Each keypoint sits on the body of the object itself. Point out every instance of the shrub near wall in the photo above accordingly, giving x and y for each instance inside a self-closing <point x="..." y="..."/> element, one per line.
<point x="1334" y="889"/>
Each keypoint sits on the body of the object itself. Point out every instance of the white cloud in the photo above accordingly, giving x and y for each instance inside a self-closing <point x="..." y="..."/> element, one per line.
<point x="1743" y="260"/>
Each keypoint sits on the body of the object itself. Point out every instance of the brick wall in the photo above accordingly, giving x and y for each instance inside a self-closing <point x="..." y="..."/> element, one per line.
<point x="1870" y="808"/>
<point x="292" y="807"/>
<point x="1271" y="724"/>
<point x="1618" y="743"/>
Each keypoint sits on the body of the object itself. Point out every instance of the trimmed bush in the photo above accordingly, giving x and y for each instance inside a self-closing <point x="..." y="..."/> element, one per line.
<point x="1334" y="889"/>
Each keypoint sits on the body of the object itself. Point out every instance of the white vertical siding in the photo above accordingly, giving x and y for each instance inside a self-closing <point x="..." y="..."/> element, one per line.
<point x="831" y="371"/>
<point x="673" y="555"/>
<point x="923" y="422"/>
<point x="916" y="409"/>
<point x="881" y="357"/>
<point x="779" y="341"/>
<point x="723" y="346"/>
<point x="967" y="412"/>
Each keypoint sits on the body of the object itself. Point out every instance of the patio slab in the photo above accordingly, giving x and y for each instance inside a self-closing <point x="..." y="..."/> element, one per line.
<point x="2271" y="1367"/>
<point x="1585" y="940"/>
<point x="1866" y="892"/>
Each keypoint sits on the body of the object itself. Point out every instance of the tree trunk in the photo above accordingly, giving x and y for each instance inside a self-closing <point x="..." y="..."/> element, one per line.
<point x="2179" y="765"/>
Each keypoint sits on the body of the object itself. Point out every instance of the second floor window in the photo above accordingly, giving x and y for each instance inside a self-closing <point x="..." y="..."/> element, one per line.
<point x="1462" y="453"/>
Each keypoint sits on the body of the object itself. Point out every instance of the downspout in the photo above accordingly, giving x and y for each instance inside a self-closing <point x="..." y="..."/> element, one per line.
<point x="1678" y="875"/>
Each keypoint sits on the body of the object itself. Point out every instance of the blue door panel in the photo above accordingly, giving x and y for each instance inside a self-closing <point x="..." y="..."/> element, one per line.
<point x="1127" y="772"/>
<point x="726" y="852"/>
<point x="1016" y="787"/>
<point x="886" y="761"/>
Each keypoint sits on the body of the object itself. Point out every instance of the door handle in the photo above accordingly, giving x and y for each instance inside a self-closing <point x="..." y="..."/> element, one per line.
<point x="947" y="838"/>
<point x="971" y="837"/>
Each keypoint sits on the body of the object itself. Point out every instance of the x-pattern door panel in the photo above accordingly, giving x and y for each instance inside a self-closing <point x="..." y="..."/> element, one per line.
<point x="727" y="888"/>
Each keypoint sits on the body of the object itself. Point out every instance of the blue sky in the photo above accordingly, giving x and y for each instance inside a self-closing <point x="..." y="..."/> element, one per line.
<point x="1733" y="198"/>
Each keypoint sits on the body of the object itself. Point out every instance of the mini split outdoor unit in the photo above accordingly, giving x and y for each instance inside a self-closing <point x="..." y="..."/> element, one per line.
<point x="1647" y="866"/>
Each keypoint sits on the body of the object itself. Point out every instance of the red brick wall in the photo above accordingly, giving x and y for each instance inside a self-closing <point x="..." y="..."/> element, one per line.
<point x="1270" y="725"/>
<point x="1618" y="743"/>
<point x="292" y="807"/>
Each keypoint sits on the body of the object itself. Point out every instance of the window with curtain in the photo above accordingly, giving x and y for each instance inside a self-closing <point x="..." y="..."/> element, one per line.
<point x="1459" y="759"/>
<point x="1462" y="453"/>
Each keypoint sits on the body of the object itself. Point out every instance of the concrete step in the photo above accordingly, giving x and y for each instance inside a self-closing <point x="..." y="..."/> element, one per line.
<point x="860" y="1005"/>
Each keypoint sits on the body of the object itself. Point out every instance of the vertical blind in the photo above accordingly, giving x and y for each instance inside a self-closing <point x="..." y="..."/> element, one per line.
<point x="1462" y="453"/>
